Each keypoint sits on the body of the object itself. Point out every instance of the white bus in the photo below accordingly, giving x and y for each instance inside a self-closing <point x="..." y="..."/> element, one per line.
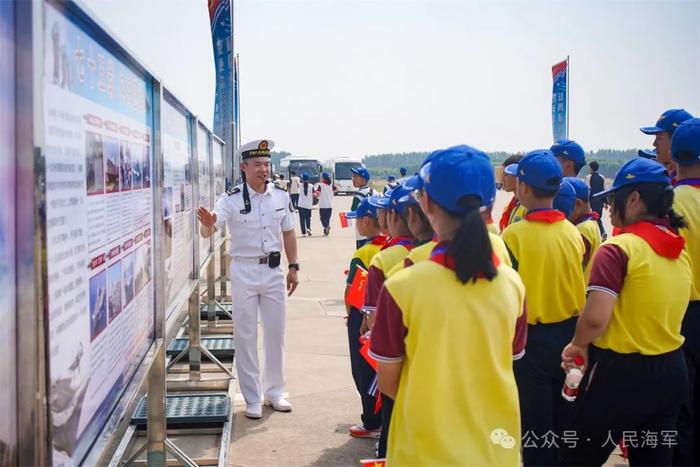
<point x="341" y="174"/>
<point x="301" y="165"/>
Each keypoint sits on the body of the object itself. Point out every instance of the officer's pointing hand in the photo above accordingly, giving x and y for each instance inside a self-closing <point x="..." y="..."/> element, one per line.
<point x="208" y="219"/>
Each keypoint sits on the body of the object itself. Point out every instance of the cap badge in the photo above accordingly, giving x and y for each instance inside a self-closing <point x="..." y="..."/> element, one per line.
<point x="263" y="145"/>
<point x="630" y="176"/>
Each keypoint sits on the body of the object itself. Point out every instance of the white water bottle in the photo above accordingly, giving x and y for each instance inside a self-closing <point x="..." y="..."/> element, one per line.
<point x="572" y="380"/>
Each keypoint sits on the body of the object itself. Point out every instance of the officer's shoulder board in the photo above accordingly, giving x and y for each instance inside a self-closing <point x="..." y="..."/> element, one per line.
<point x="233" y="190"/>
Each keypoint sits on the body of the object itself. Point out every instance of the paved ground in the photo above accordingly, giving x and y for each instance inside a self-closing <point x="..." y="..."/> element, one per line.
<point x="318" y="371"/>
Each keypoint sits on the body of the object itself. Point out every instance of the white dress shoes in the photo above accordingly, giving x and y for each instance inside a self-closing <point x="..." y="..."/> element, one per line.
<point x="253" y="411"/>
<point x="280" y="405"/>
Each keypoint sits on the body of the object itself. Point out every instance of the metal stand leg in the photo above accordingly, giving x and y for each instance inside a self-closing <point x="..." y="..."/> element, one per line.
<point x="224" y="270"/>
<point x="211" y="295"/>
<point x="194" y="333"/>
<point x="156" y="409"/>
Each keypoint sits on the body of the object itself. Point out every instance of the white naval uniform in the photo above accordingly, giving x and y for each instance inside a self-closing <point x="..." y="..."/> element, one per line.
<point x="256" y="287"/>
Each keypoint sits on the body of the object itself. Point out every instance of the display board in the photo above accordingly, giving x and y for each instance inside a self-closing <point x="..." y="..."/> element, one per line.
<point x="219" y="178"/>
<point x="204" y="160"/>
<point x="99" y="228"/>
<point x="178" y="215"/>
<point x="8" y="428"/>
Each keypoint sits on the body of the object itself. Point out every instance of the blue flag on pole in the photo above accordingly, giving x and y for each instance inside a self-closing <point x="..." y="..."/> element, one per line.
<point x="560" y="100"/>
<point x="222" y="41"/>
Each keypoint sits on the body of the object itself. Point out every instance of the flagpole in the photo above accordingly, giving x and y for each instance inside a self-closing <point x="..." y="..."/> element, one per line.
<point x="568" y="91"/>
<point x="238" y="101"/>
<point x="233" y="140"/>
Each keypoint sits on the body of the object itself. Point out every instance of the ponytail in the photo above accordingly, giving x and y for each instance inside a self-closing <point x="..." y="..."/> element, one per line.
<point x="471" y="246"/>
<point x="306" y="188"/>
<point x="658" y="199"/>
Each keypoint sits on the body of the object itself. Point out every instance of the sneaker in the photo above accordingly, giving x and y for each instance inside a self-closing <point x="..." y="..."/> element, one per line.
<point x="359" y="431"/>
<point x="308" y="232"/>
<point x="253" y="411"/>
<point x="326" y="230"/>
<point x="280" y="405"/>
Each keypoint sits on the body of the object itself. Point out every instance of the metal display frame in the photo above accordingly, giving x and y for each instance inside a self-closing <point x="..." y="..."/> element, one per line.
<point x="34" y="437"/>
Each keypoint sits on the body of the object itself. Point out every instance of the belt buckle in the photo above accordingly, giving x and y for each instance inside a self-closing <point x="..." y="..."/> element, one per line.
<point x="262" y="260"/>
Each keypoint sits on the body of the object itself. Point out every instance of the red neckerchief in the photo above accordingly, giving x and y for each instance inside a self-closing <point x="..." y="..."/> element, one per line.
<point x="587" y="217"/>
<point x="441" y="256"/>
<point x="406" y="242"/>
<point x="660" y="238"/>
<point x="503" y="223"/>
<point x="694" y="182"/>
<point x="545" y="215"/>
<point x="378" y="240"/>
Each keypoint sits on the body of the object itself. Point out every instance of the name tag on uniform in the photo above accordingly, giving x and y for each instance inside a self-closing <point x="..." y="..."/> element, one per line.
<point x="280" y="209"/>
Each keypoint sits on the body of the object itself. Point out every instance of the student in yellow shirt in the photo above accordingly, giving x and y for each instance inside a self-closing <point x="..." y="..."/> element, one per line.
<point x="629" y="333"/>
<point x="392" y="253"/>
<point x="514" y="211"/>
<point x="547" y="251"/>
<point x="685" y="152"/>
<point x="586" y="221"/>
<point x="362" y="373"/>
<point x="446" y="330"/>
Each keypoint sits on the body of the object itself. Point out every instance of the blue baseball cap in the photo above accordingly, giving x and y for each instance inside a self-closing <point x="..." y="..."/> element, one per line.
<point x="565" y="199"/>
<point x="379" y="201"/>
<point x="412" y="183"/>
<point x="569" y="149"/>
<point x="364" y="209"/>
<point x="580" y="187"/>
<point x="511" y="169"/>
<point x="391" y="178"/>
<point x="685" y="144"/>
<point x="457" y="172"/>
<point x="361" y="171"/>
<point x="647" y="153"/>
<point x="325" y="175"/>
<point x="305" y="176"/>
<point x="400" y="198"/>
<point x="539" y="168"/>
<point x="403" y="170"/>
<point x="668" y="121"/>
<point x="638" y="170"/>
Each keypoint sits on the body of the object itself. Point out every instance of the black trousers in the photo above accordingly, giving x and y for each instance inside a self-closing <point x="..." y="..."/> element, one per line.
<point x="362" y="373"/>
<point x="688" y="450"/>
<point x="540" y="379"/>
<point x="325" y="216"/>
<point x="387" y="408"/>
<point x="630" y="397"/>
<point x="600" y="220"/>
<point x="304" y="219"/>
<point x="295" y="200"/>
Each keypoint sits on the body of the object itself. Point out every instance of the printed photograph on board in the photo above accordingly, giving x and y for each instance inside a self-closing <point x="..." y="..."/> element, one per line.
<point x="111" y="151"/>
<point x="114" y="289"/>
<point x="125" y="166"/>
<point x="98" y="304"/>
<point x="128" y="268"/>
<point x="94" y="164"/>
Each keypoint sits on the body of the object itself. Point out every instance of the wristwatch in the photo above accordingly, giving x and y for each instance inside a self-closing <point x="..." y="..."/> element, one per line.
<point x="294" y="266"/>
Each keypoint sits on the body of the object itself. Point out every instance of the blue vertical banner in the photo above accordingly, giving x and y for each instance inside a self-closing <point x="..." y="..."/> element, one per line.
<point x="236" y="115"/>
<point x="222" y="41"/>
<point x="560" y="100"/>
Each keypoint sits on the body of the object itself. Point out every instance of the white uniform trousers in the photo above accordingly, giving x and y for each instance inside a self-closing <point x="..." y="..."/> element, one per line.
<point x="257" y="287"/>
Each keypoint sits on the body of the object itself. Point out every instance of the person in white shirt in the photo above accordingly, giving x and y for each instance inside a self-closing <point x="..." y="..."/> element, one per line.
<point x="306" y="202"/>
<point x="260" y="219"/>
<point x="294" y="183"/>
<point x="325" y="191"/>
<point x="360" y="180"/>
<point x="282" y="183"/>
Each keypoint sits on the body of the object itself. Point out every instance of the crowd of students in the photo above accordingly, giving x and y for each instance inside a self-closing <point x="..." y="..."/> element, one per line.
<point x="304" y="195"/>
<point x="462" y="344"/>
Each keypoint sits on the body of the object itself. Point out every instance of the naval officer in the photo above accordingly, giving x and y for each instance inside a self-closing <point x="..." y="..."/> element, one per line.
<point x="260" y="219"/>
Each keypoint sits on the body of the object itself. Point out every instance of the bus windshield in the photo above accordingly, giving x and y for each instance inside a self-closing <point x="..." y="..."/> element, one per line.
<point x="342" y="170"/>
<point x="309" y="166"/>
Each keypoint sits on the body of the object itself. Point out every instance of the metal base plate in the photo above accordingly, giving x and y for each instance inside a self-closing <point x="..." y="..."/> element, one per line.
<point x="204" y="310"/>
<point x="188" y="409"/>
<point x="220" y="347"/>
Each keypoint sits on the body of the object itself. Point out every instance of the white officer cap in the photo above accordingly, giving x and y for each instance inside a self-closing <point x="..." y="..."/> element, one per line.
<point x="257" y="148"/>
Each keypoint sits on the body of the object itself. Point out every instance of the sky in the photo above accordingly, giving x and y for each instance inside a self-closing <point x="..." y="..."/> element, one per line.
<point x="332" y="78"/>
